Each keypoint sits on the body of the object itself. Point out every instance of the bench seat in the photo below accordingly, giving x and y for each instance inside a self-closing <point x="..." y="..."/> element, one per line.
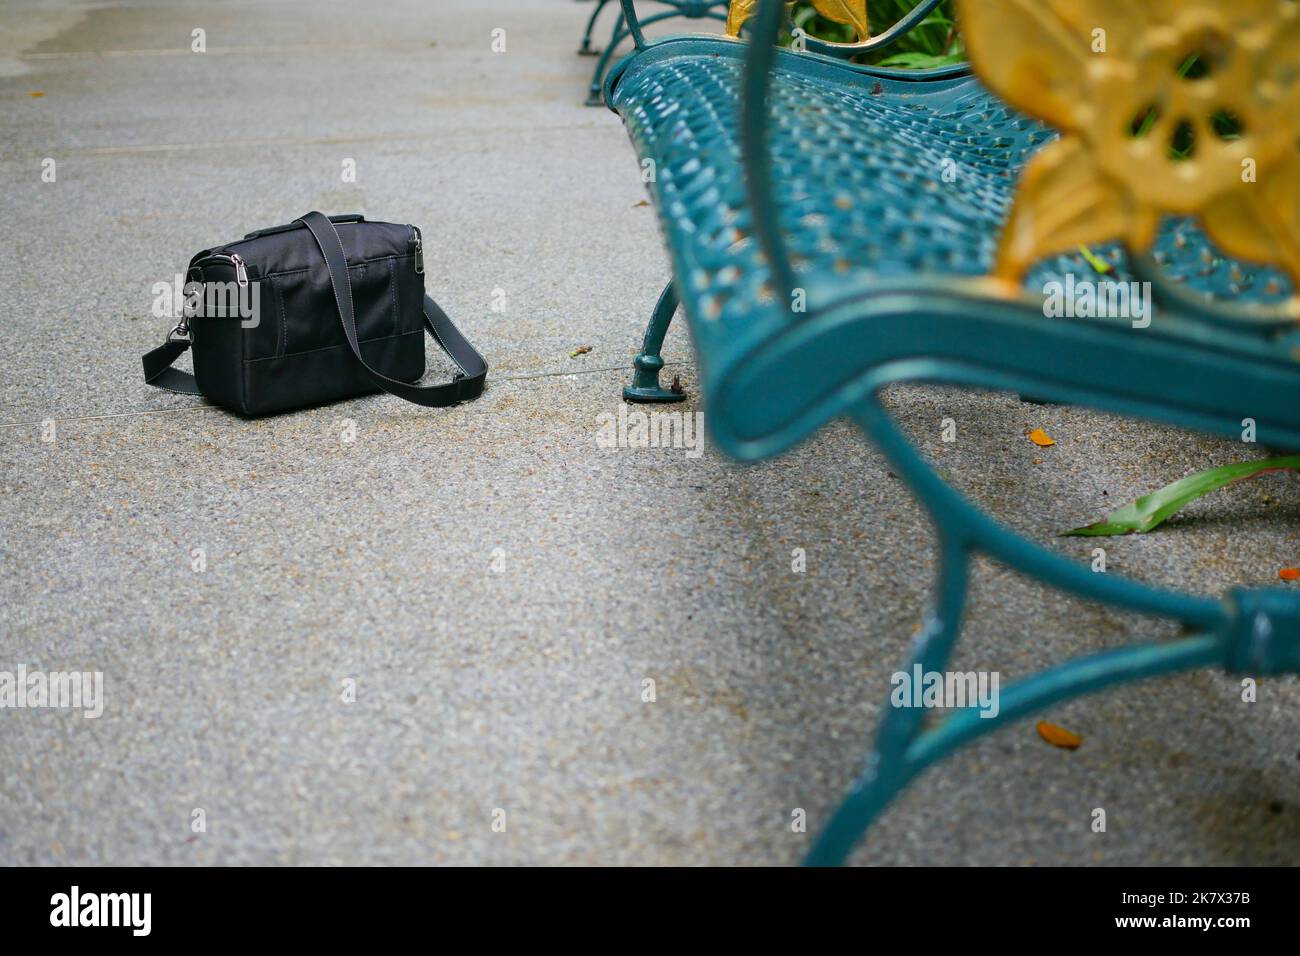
<point x="892" y="189"/>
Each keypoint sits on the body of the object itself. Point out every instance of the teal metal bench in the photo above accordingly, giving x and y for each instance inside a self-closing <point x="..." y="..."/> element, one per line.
<point x="686" y="9"/>
<point x="789" y="177"/>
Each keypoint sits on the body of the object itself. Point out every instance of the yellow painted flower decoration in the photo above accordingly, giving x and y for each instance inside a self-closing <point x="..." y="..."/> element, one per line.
<point x="850" y="12"/>
<point x="1123" y="80"/>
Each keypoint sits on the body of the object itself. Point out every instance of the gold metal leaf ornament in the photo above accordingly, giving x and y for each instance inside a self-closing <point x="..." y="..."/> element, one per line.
<point x="1124" y="82"/>
<point x="849" y="12"/>
<point x="738" y="13"/>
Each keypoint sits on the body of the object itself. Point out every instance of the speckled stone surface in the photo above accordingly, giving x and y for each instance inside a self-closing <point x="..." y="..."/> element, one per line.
<point x="498" y="586"/>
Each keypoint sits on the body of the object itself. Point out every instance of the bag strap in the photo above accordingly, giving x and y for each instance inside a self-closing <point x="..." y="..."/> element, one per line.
<point x="468" y="384"/>
<point x="158" y="364"/>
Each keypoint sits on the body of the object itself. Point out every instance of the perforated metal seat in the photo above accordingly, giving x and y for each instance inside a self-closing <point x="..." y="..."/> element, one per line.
<point x="881" y="177"/>
<point x="880" y="183"/>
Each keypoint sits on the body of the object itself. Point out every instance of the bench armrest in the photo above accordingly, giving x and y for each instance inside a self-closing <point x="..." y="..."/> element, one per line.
<point x="633" y="22"/>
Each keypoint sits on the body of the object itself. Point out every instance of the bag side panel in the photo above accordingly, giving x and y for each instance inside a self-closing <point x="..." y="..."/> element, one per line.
<point x="217" y="349"/>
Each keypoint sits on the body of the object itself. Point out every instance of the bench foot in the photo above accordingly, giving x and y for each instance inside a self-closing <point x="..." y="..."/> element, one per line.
<point x="595" y="96"/>
<point x="647" y="365"/>
<point x="586" y="49"/>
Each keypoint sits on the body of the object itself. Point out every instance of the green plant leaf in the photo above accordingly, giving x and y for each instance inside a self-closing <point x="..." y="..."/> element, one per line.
<point x="921" y="61"/>
<point x="935" y="35"/>
<point x="1150" y="511"/>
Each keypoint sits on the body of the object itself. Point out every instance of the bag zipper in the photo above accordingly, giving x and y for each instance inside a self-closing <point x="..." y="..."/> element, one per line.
<point x="241" y="272"/>
<point x="419" y="247"/>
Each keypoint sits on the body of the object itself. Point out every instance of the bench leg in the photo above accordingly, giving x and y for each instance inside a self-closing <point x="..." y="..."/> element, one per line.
<point x="903" y="748"/>
<point x="621" y="33"/>
<point x="888" y="771"/>
<point x="585" y="49"/>
<point x="594" y="97"/>
<point x="647" y="365"/>
<point x="899" y="758"/>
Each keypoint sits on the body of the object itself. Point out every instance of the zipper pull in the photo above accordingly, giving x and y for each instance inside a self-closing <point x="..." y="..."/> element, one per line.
<point x="419" y="250"/>
<point x="241" y="274"/>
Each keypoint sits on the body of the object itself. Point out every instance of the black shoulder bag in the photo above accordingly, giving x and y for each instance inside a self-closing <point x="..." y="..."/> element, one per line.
<point x="315" y="311"/>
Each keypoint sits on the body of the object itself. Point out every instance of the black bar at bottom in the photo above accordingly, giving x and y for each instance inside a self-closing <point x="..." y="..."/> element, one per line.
<point x="334" y="906"/>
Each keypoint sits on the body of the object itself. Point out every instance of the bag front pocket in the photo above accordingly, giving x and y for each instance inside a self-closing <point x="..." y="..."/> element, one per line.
<point x="302" y="315"/>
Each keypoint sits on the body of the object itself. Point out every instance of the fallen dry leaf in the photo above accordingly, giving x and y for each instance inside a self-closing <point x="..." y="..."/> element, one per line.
<point x="580" y="350"/>
<point x="34" y="94"/>
<point x="638" y="205"/>
<point x="1058" y="736"/>
<point x="1041" y="438"/>
<point x="1289" y="574"/>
